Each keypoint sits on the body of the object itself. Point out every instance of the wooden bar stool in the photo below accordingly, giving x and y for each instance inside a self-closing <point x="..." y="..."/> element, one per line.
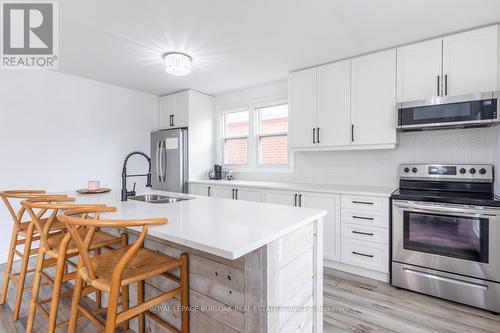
<point x="23" y="233"/>
<point x="59" y="249"/>
<point x="116" y="269"/>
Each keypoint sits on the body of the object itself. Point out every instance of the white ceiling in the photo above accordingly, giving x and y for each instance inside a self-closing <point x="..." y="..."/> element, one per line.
<point x="238" y="43"/>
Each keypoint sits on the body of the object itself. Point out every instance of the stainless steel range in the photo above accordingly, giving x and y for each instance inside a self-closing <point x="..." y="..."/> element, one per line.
<point x="446" y="233"/>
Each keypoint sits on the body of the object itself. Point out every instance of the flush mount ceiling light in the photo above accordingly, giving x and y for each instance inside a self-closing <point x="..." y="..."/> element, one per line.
<point x="177" y="63"/>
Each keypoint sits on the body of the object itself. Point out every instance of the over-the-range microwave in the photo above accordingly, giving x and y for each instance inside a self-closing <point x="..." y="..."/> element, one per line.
<point x="475" y="110"/>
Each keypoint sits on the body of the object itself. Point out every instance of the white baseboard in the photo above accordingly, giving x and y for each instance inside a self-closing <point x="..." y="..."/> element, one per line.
<point x="356" y="270"/>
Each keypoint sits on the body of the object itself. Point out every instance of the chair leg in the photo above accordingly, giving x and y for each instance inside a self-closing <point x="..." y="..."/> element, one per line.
<point x="141" y="319"/>
<point x="125" y="303"/>
<point x="8" y="266"/>
<point x="112" y="312"/>
<point x="75" y="302"/>
<point x="56" y="292"/>
<point x="35" y="291"/>
<point x="184" y="294"/>
<point x="98" y="293"/>
<point x="22" y="275"/>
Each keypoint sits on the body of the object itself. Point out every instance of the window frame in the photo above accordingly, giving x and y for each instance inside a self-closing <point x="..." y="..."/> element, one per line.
<point x="224" y="137"/>
<point x="253" y="138"/>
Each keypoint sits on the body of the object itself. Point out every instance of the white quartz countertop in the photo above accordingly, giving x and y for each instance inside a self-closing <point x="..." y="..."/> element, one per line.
<point x="223" y="227"/>
<point x="381" y="191"/>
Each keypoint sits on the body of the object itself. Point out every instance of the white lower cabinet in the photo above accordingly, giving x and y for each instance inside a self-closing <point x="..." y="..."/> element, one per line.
<point x="287" y="198"/>
<point x="198" y="189"/>
<point x="331" y="222"/>
<point x="221" y="192"/>
<point x="366" y="255"/>
<point x="248" y="194"/>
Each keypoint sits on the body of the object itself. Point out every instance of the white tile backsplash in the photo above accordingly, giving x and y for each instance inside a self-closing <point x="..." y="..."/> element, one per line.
<point x="379" y="167"/>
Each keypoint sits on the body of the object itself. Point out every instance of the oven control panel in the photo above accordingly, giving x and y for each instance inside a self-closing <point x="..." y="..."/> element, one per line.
<point x="458" y="172"/>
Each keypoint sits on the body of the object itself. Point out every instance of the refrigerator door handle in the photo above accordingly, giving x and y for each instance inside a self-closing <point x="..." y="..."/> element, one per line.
<point x="158" y="160"/>
<point x="164" y="167"/>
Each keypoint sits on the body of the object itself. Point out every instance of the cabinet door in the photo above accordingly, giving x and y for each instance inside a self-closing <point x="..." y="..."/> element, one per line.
<point x="334" y="104"/>
<point x="419" y="69"/>
<point x="287" y="198"/>
<point x="373" y="98"/>
<point x="181" y="109"/>
<point x="302" y="90"/>
<point x="198" y="189"/>
<point x="470" y="61"/>
<point x="248" y="194"/>
<point x="221" y="192"/>
<point x="167" y="110"/>
<point x="331" y="222"/>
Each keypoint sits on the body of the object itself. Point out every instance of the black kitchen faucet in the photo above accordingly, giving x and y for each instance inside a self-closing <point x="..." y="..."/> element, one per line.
<point x="125" y="193"/>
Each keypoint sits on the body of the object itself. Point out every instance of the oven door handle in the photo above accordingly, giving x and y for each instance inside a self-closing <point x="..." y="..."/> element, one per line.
<point x="445" y="209"/>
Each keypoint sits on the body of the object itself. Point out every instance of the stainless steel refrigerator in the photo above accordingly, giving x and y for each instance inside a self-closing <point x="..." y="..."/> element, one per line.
<point x="169" y="160"/>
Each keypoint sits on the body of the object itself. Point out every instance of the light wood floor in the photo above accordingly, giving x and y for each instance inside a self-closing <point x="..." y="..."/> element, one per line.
<point x="374" y="306"/>
<point x="356" y="304"/>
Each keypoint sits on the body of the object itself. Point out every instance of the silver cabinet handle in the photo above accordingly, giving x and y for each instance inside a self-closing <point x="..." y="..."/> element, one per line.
<point x="352" y="133"/>
<point x="317" y="135"/>
<point x="236" y="194"/>
<point x="232" y="195"/>
<point x="314" y="135"/>
<point x="295" y="200"/>
<point x="363" y="254"/>
<point x="300" y="200"/>
<point x="209" y="190"/>
<point x="362" y="233"/>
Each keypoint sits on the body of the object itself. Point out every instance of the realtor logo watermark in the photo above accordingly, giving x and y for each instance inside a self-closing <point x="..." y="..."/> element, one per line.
<point x="29" y="35"/>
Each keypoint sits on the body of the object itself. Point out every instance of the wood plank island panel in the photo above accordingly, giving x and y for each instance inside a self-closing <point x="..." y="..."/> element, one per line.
<point x="236" y="295"/>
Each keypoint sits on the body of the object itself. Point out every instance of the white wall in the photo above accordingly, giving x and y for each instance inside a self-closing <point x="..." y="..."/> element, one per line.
<point x="376" y="167"/>
<point x="58" y="131"/>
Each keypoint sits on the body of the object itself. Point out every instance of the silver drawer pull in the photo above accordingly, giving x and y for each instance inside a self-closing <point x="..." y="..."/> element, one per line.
<point x="362" y="233"/>
<point x="362" y="254"/>
<point x="363" y="218"/>
<point x="445" y="279"/>
<point x="362" y="202"/>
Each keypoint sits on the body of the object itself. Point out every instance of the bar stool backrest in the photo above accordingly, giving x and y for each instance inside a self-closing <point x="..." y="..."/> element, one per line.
<point x="9" y="196"/>
<point x="74" y="219"/>
<point x="51" y="206"/>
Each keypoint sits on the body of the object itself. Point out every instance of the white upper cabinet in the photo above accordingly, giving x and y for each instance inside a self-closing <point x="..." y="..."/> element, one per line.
<point x="334" y="104"/>
<point x="454" y="65"/>
<point x="419" y="70"/>
<point x="470" y="61"/>
<point x="302" y="100"/>
<point x="373" y="98"/>
<point x="174" y="110"/>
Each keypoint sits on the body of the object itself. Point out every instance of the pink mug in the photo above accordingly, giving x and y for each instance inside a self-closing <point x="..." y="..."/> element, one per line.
<point x="93" y="185"/>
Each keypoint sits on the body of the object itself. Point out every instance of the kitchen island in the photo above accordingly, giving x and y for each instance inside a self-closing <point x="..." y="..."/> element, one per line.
<point x="254" y="267"/>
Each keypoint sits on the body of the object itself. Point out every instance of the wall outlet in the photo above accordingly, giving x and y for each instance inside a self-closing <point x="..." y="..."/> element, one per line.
<point x="333" y="170"/>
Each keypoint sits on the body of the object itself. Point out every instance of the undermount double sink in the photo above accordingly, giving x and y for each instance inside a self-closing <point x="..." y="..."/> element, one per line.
<point x="157" y="199"/>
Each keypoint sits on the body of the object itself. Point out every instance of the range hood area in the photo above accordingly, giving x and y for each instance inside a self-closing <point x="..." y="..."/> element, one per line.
<point x="466" y="111"/>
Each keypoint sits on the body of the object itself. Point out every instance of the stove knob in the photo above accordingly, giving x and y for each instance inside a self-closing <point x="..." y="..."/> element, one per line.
<point x="414" y="170"/>
<point x="472" y="171"/>
<point x="406" y="170"/>
<point x="462" y="171"/>
<point x="482" y="171"/>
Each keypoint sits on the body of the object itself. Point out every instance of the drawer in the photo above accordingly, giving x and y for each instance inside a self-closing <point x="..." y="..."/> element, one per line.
<point x="373" y="219"/>
<point x="365" y="254"/>
<point x="364" y="233"/>
<point x="364" y="202"/>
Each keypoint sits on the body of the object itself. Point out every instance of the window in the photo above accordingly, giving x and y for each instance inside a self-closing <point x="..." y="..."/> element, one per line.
<point x="255" y="137"/>
<point x="273" y="135"/>
<point x="235" y="136"/>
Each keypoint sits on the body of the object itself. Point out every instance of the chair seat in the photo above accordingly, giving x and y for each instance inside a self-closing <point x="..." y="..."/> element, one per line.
<point x="144" y="264"/>
<point x="56" y="226"/>
<point x="100" y="240"/>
